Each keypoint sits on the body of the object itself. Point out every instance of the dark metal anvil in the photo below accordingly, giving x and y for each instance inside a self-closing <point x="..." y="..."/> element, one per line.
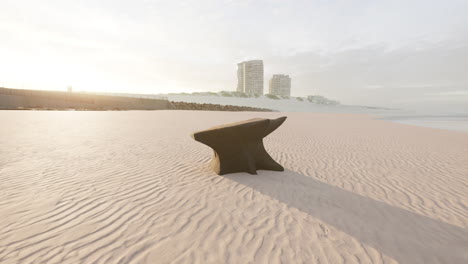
<point x="238" y="147"/>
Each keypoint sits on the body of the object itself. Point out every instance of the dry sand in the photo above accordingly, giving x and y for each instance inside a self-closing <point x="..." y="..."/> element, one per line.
<point x="134" y="187"/>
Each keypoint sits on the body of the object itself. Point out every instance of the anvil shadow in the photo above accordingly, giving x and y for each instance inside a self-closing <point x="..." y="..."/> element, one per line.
<point x="398" y="233"/>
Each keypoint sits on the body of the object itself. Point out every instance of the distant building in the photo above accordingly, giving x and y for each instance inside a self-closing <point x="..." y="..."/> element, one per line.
<point x="280" y="84"/>
<point x="69" y="89"/>
<point x="318" y="99"/>
<point x="250" y="77"/>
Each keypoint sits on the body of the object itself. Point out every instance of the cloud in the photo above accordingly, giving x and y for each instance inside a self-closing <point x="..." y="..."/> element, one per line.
<point x="449" y="93"/>
<point x="375" y="75"/>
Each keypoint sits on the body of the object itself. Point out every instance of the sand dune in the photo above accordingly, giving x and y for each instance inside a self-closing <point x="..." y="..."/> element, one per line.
<point x="133" y="187"/>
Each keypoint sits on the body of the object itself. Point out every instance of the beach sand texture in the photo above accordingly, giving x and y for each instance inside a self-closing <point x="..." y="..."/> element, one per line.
<point x="134" y="187"/>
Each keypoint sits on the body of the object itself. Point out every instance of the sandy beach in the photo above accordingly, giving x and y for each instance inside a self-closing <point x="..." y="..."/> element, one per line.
<point x="134" y="187"/>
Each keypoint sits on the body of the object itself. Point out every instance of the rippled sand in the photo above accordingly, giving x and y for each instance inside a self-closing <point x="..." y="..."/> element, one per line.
<point x="133" y="187"/>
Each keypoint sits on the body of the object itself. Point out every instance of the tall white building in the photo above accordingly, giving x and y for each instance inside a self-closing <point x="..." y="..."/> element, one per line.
<point x="280" y="84"/>
<point x="250" y="77"/>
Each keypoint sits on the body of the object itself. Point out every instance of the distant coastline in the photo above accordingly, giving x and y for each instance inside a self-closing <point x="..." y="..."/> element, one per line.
<point x="18" y="99"/>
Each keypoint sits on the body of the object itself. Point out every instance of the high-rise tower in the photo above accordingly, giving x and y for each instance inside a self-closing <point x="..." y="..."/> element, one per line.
<point x="250" y="77"/>
<point x="280" y="84"/>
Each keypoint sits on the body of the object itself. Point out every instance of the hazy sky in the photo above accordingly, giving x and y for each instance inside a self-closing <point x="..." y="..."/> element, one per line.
<point x="376" y="52"/>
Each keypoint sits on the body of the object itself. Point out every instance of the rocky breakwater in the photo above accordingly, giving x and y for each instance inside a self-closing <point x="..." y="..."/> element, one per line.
<point x="215" y="107"/>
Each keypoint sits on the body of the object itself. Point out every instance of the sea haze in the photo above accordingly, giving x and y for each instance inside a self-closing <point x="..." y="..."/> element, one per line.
<point x="449" y="122"/>
<point x="442" y="117"/>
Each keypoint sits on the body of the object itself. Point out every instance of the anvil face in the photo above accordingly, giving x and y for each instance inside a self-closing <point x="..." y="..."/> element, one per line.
<point x="238" y="147"/>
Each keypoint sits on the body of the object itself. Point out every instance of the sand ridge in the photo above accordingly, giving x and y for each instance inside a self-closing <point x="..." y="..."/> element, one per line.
<point x="133" y="187"/>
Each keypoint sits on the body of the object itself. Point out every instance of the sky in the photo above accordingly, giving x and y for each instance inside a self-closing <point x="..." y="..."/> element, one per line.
<point x="367" y="52"/>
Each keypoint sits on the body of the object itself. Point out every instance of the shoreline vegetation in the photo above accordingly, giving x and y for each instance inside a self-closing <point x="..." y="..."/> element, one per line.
<point x="316" y="99"/>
